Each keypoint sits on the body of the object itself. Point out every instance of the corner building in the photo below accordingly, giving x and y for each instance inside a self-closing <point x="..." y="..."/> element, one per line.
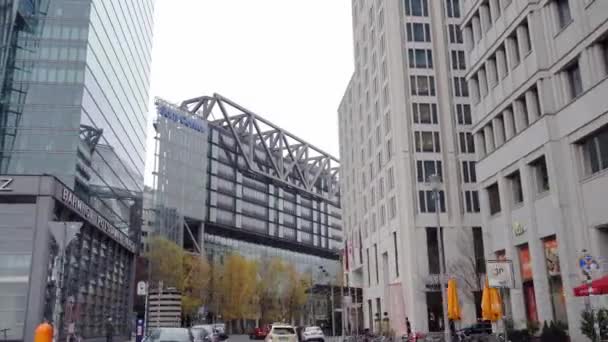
<point x="405" y="116"/>
<point x="537" y="75"/>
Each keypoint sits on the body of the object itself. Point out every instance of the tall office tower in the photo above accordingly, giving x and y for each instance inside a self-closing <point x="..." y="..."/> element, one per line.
<point x="73" y="101"/>
<point x="537" y="75"/>
<point x="405" y="116"/>
<point x="75" y="77"/>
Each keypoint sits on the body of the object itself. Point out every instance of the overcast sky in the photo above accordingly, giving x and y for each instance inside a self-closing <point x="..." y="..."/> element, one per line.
<point x="286" y="60"/>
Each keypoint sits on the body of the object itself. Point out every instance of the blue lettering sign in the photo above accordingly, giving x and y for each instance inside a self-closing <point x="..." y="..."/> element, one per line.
<point x="186" y="121"/>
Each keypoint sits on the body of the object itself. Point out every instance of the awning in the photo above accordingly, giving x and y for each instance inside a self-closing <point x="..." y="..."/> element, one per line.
<point x="600" y="287"/>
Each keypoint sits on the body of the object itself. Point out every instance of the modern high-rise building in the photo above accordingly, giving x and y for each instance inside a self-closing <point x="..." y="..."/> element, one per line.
<point x="538" y="78"/>
<point x="229" y="181"/>
<point x="405" y="116"/>
<point x="74" y="79"/>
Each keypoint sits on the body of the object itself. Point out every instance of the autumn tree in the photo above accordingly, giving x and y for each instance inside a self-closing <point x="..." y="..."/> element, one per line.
<point x="187" y="272"/>
<point x="294" y="292"/>
<point x="195" y="279"/>
<point x="165" y="259"/>
<point x="238" y="288"/>
<point x="268" y="281"/>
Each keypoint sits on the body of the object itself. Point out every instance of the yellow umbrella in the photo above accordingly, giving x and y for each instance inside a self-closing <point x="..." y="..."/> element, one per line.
<point x="491" y="304"/>
<point x="453" y="305"/>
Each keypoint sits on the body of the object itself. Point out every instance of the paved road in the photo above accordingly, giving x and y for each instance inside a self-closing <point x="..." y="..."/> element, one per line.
<point x="239" y="338"/>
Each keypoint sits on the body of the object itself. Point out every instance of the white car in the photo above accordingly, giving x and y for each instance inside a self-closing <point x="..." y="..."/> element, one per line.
<point x="282" y="333"/>
<point x="313" y="334"/>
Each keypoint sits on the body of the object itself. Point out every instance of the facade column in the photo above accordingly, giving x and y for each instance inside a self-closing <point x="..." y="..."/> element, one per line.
<point x="486" y="20"/>
<point x="501" y="63"/>
<point x="499" y="130"/>
<point x="480" y="144"/>
<point x="519" y="114"/>
<point x="489" y="135"/>
<point x="483" y="82"/>
<point x="476" y="28"/>
<point x="495" y="9"/>
<point x="469" y="41"/>
<point x="474" y="89"/>
<point x="512" y="50"/>
<point x="532" y="105"/>
<point x="491" y="72"/>
<point x="509" y="123"/>
<point x="523" y="40"/>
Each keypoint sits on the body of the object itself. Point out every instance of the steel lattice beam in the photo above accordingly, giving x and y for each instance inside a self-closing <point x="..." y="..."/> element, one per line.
<point x="270" y="150"/>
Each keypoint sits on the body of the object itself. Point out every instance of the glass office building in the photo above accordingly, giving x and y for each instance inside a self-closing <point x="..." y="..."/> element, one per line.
<point x="75" y="77"/>
<point x="221" y="190"/>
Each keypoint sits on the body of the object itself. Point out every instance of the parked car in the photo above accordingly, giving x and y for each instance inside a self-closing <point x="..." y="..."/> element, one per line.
<point x="313" y="334"/>
<point x="282" y="333"/>
<point x="477" y="329"/>
<point x="259" y="333"/>
<point x="207" y="333"/>
<point x="170" y="334"/>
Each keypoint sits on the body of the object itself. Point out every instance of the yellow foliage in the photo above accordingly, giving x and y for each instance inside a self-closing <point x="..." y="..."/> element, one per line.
<point x="238" y="288"/>
<point x="166" y="260"/>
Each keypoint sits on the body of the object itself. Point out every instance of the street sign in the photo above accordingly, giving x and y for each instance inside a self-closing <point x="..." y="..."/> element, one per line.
<point x="588" y="264"/>
<point x="141" y="288"/>
<point x="500" y="273"/>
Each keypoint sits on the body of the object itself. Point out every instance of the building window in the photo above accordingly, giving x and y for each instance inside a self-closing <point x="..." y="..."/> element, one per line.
<point x="453" y="8"/>
<point x="493" y="198"/>
<point x="391" y="178"/>
<point x="427" y="201"/>
<point x="539" y="167"/>
<point x="425" y="113"/>
<point x="468" y="172"/>
<point x="433" y="249"/>
<point x="564" y="17"/>
<point x="516" y="190"/>
<point x="396" y="253"/>
<point x="369" y="278"/>
<point x="379" y="160"/>
<point x="595" y="151"/>
<point x="389" y="149"/>
<point x="471" y="201"/>
<point x="575" y="82"/>
<point x="418" y="32"/>
<point x="427" y="168"/>
<point x="604" y="48"/>
<point x="461" y="88"/>
<point x="467" y="142"/>
<point x="382" y="215"/>
<point x="416" y="8"/>
<point x="387" y="121"/>
<point x="427" y="141"/>
<point x="378" y="135"/>
<point x="392" y="208"/>
<point x="420" y="58"/>
<point x="463" y="114"/>
<point x="480" y="260"/>
<point x="381" y="188"/>
<point x="423" y="85"/>
<point x="377" y="271"/>
<point x="455" y="34"/>
<point x="458" y="60"/>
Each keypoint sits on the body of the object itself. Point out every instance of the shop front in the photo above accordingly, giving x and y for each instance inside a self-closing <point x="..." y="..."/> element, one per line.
<point x="61" y="260"/>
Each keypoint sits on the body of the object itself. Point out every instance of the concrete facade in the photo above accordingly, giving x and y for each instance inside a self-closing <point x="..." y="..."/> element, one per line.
<point x="540" y="128"/>
<point x="405" y="114"/>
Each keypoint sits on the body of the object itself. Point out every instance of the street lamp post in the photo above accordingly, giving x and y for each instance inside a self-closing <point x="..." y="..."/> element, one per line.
<point x="435" y="182"/>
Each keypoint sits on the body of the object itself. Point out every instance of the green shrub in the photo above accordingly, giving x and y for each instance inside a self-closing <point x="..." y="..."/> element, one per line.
<point x="588" y="320"/>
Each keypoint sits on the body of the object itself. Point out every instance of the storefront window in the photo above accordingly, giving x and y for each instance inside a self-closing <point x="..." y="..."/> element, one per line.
<point x="556" y="288"/>
<point x="527" y="283"/>
<point x="506" y="293"/>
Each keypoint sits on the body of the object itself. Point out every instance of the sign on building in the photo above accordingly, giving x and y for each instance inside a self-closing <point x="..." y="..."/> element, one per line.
<point x="500" y="273"/>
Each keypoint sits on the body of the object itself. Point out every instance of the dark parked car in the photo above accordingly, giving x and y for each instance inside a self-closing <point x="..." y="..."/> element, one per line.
<point x="477" y="329"/>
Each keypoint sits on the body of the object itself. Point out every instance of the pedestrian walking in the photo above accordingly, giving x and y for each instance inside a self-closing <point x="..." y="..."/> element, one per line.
<point x="109" y="329"/>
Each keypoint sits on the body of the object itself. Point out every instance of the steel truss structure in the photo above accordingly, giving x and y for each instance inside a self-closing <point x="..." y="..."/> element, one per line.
<point x="269" y="150"/>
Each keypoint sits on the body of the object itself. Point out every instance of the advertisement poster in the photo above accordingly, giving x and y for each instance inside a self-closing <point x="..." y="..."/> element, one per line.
<point x="552" y="257"/>
<point x="524" y="261"/>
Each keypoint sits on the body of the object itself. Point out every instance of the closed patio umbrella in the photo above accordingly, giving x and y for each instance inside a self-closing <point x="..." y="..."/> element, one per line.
<point x="453" y="304"/>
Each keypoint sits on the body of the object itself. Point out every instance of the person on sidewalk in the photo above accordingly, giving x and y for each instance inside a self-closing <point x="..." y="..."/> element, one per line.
<point x="109" y="329"/>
